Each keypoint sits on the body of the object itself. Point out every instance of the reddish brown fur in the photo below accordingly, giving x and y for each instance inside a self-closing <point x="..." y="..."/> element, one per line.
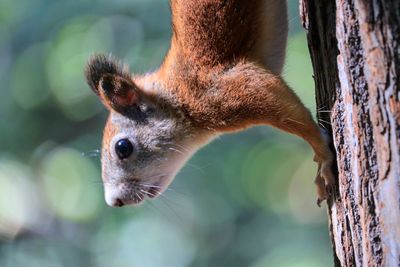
<point x="211" y="73"/>
<point x="212" y="32"/>
<point x="109" y="131"/>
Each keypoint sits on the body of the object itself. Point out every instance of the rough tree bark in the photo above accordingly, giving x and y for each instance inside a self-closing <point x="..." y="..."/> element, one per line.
<point x="355" y="51"/>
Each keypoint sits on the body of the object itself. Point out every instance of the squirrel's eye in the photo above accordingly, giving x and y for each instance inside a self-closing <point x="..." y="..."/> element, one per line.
<point x="123" y="148"/>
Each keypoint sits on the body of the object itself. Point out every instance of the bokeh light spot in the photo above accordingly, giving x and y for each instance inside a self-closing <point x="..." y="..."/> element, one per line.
<point x="69" y="183"/>
<point x="65" y="67"/>
<point x="151" y="242"/>
<point x="28" y="83"/>
<point x="18" y="199"/>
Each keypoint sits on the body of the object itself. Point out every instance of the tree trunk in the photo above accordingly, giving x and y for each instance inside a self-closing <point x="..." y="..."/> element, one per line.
<point x="355" y="48"/>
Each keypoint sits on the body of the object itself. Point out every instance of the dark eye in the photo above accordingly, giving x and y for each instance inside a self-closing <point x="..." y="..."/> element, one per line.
<point x="123" y="148"/>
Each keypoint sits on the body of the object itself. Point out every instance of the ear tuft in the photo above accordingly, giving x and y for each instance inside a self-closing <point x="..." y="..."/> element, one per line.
<point x="100" y="65"/>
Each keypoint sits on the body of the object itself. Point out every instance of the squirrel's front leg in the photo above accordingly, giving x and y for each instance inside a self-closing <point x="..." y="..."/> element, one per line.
<point x="252" y="95"/>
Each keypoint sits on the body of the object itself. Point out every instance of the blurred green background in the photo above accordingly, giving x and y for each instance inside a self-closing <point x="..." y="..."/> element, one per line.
<point x="247" y="199"/>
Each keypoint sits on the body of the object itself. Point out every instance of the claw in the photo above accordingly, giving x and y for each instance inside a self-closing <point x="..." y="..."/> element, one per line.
<point x="319" y="201"/>
<point x="325" y="181"/>
<point x="329" y="189"/>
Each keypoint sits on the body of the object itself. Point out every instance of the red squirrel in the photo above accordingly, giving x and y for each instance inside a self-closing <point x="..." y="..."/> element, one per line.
<point x="221" y="74"/>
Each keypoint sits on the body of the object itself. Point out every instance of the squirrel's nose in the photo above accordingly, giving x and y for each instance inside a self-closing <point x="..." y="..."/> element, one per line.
<point x="113" y="196"/>
<point x="118" y="203"/>
<point x="121" y="195"/>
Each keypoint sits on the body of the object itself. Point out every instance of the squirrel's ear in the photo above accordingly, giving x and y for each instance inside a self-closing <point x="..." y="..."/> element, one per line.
<point x="112" y="82"/>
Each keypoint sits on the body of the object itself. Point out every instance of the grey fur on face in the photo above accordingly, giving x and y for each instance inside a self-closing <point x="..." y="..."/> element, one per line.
<point x="162" y="142"/>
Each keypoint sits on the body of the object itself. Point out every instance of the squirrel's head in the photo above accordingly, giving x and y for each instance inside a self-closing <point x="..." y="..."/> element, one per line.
<point x="146" y="141"/>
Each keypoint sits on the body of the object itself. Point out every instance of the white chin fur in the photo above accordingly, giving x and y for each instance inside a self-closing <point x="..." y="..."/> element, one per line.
<point x="111" y="194"/>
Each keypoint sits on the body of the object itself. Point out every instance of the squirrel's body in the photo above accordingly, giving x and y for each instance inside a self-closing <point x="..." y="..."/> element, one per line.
<point x="220" y="74"/>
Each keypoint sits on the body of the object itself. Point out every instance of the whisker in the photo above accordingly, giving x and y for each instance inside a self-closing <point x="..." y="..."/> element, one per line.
<point x="154" y="207"/>
<point x="176" y="150"/>
<point x="177" y="192"/>
<point x="91" y="154"/>
<point x="168" y="199"/>
<point x="167" y="212"/>
<point x="149" y="193"/>
<point x="155" y="176"/>
<point x="149" y="186"/>
<point x="295" y="18"/>
<point x="295" y="121"/>
<point x="185" y="149"/>
<point x="170" y="188"/>
<point x="196" y="167"/>
<point x="321" y="107"/>
<point x="96" y="182"/>
<point x="321" y="120"/>
<point x="138" y="196"/>
<point x="175" y="216"/>
<point x="323" y="126"/>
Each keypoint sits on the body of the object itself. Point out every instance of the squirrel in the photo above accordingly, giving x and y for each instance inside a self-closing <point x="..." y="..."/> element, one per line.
<point x="221" y="74"/>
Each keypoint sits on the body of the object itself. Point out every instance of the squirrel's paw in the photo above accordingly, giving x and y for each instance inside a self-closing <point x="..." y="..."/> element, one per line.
<point x="325" y="179"/>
